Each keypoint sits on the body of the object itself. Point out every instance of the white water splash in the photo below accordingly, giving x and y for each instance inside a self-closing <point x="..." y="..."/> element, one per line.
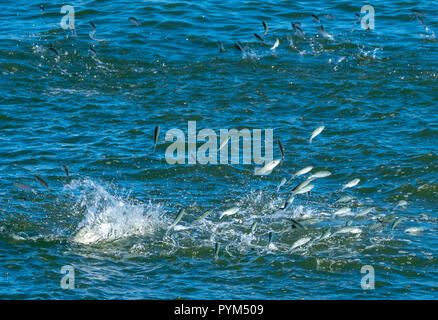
<point x="109" y="217"/>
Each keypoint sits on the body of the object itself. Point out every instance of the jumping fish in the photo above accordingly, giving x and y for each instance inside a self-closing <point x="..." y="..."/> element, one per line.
<point x="67" y="173"/>
<point x="402" y="203"/>
<point x="291" y="41"/>
<point x="229" y="212"/>
<point x="325" y="34"/>
<point x="282" y="182"/>
<point x="24" y="187"/>
<point x="305" y="189"/>
<point x="41" y="181"/>
<point x="302" y="185"/>
<point x="280" y="145"/>
<point x="277" y="42"/>
<point x="253" y="227"/>
<point x="288" y="201"/>
<point x="298" y="31"/>
<point x="326" y="235"/>
<point x="396" y="222"/>
<point x="42" y="9"/>
<point x="364" y="212"/>
<point x="54" y="51"/>
<point x="239" y="46"/>
<point x="330" y="16"/>
<point x="156" y="136"/>
<point x="296" y="224"/>
<point x="221" y="46"/>
<point x="351" y="184"/>
<point x="92" y="51"/>
<point x="134" y="21"/>
<point x="266" y="28"/>
<point x="316" y="132"/>
<point x="267" y="169"/>
<point x="303" y="171"/>
<point x="414" y="231"/>
<point x="259" y="38"/>
<point x="269" y="238"/>
<point x="353" y="230"/>
<point x="342" y="211"/>
<point x="178" y="218"/>
<point x="316" y="18"/>
<point x="320" y="174"/>
<point x="216" y="250"/>
<point x="300" y="242"/>
<point x="204" y="215"/>
<point x="345" y="199"/>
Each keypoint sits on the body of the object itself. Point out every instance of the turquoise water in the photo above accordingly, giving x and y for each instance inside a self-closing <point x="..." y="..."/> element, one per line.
<point x="374" y="91"/>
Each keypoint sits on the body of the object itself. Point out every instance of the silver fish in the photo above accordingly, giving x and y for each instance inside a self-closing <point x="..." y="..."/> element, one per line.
<point x="267" y="169"/>
<point x="300" y="242"/>
<point x="364" y="212"/>
<point x="353" y="230"/>
<point x="291" y="41"/>
<point x="229" y="212"/>
<point x="296" y="224"/>
<point x="316" y="132"/>
<point x="239" y="46"/>
<point x="302" y="185"/>
<point x="345" y="199"/>
<point x="282" y="182"/>
<point x="305" y="189"/>
<point x="344" y="210"/>
<point x="133" y="21"/>
<point x="303" y="171"/>
<point x="253" y="227"/>
<point x="297" y="29"/>
<point x="178" y="218"/>
<point x="92" y="25"/>
<point x="325" y="34"/>
<point x="259" y="38"/>
<point x="316" y="18"/>
<point x="221" y="46"/>
<point x="280" y="145"/>
<point x="92" y="51"/>
<point x="41" y="181"/>
<point x="67" y="173"/>
<point x="352" y="183"/>
<point x="54" y="51"/>
<point x="204" y="215"/>
<point x="266" y="28"/>
<point x="320" y="174"/>
<point x="326" y="235"/>
<point x="216" y="250"/>
<point x="156" y="136"/>
<point x="277" y="42"/>
<point x="24" y="187"/>
<point x="414" y="231"/>
<point x="397" y="222"/>
<point x="330" y="16"/>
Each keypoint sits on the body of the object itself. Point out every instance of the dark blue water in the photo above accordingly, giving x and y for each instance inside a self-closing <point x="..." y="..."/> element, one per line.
<point x="374" y="91"/>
